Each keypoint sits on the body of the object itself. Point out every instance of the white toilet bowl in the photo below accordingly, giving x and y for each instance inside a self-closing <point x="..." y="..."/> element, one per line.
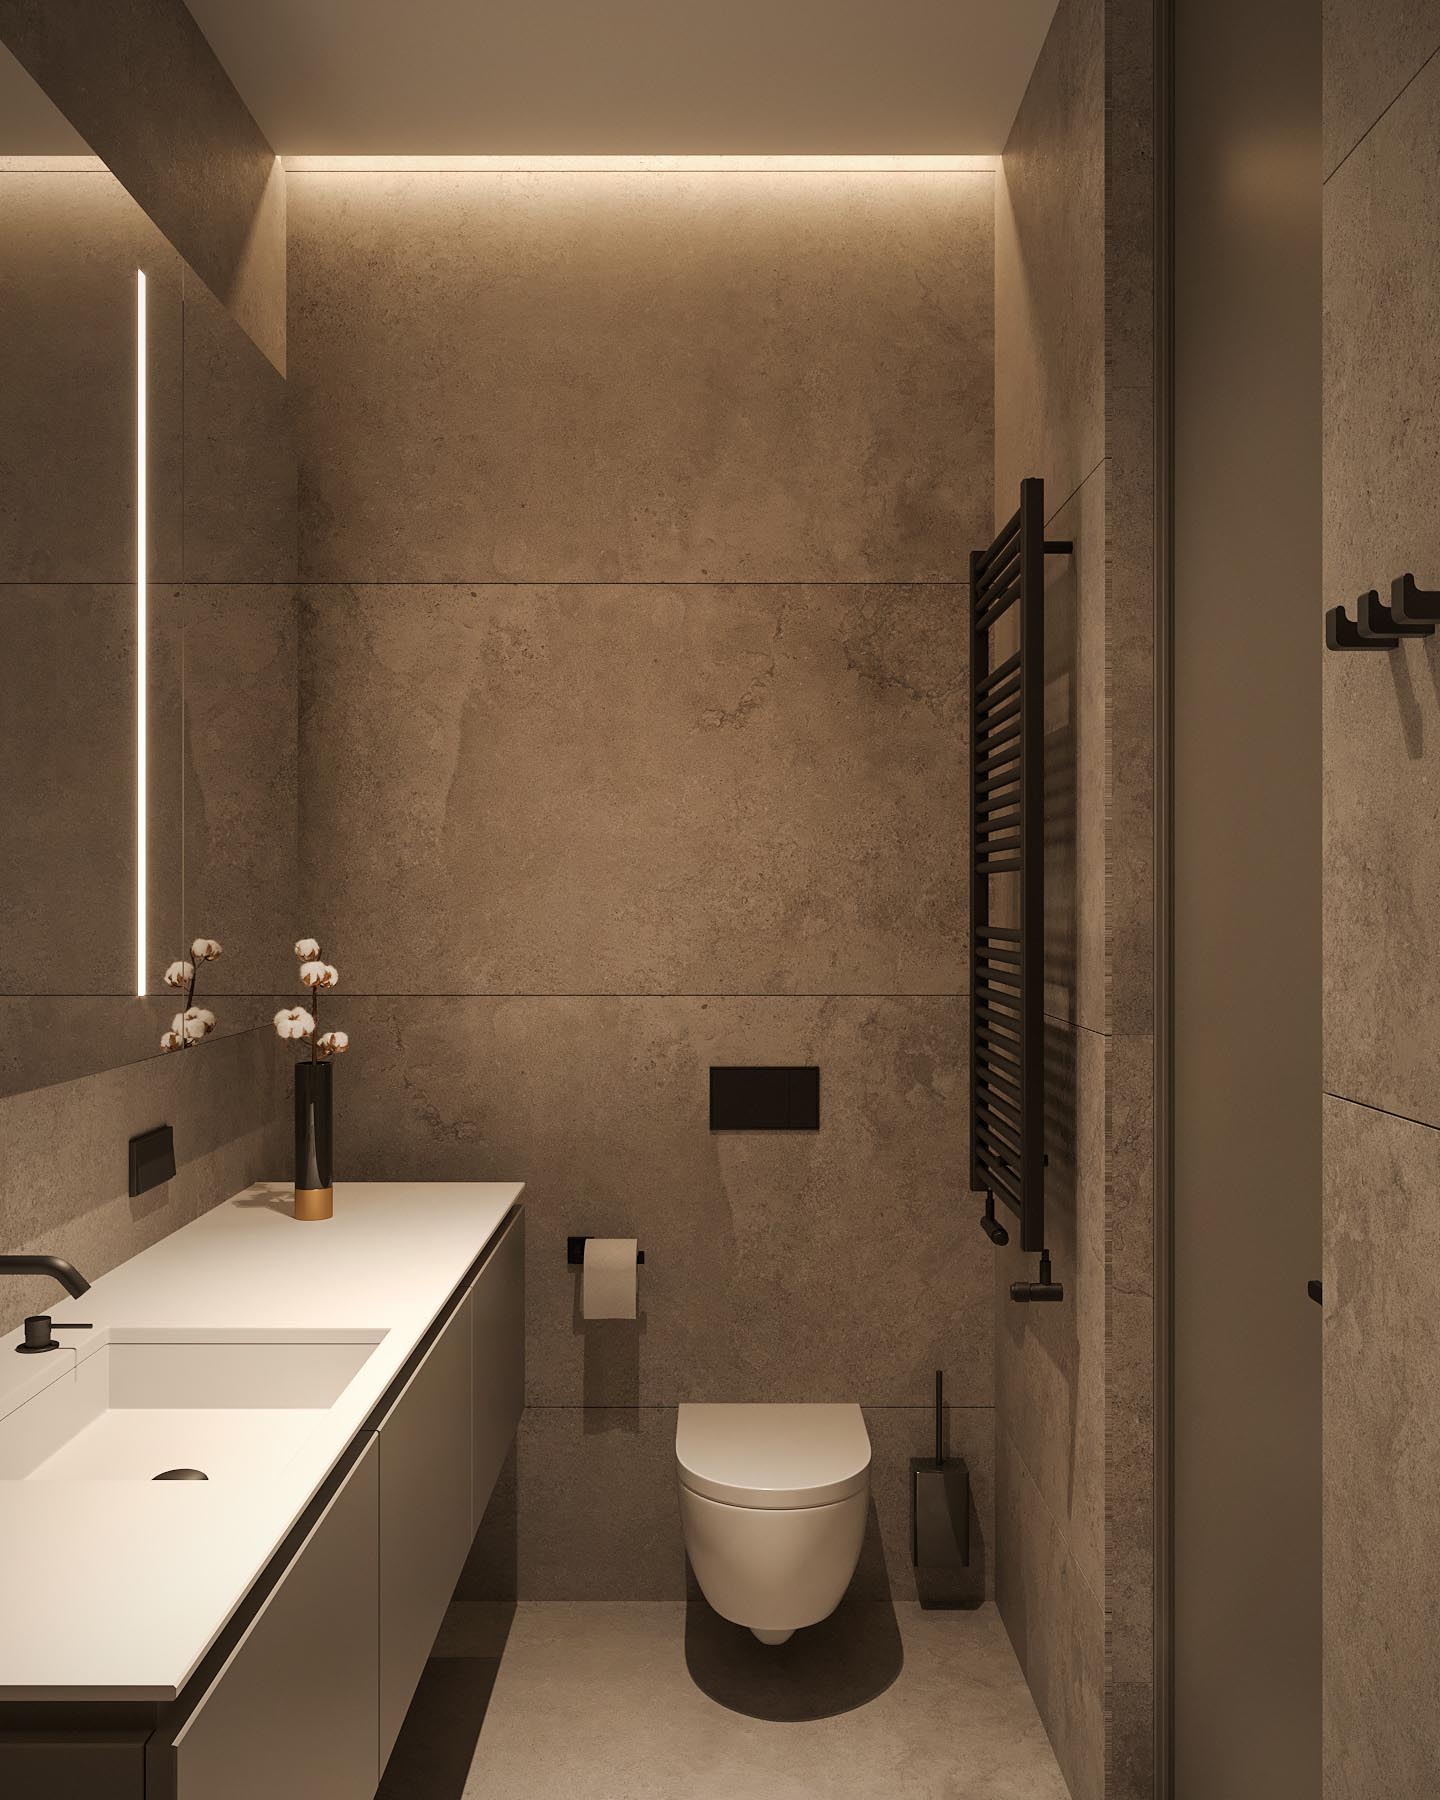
<point x="773" y="1502"/>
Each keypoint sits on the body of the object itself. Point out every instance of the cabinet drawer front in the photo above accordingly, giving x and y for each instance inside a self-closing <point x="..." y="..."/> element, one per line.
<point x="497" y="1306"/>
<point x="425" y="1531"/>
<point x="293" y="1714"/>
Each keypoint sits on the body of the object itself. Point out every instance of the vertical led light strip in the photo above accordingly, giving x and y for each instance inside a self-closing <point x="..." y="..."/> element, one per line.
<point x="141" y="627"/>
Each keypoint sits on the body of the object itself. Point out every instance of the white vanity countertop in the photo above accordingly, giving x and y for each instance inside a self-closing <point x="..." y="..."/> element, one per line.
<point x="115" y="1589"/>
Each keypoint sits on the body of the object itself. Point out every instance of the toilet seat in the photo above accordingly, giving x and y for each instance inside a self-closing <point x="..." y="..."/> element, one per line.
<point x="772" y="1457"/>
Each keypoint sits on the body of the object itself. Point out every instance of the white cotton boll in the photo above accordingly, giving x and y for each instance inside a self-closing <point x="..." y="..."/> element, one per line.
<point x="204" y="950"/>
<point x="318" y="974"/>
<point x="333" y="1043"/>
<point x="180" y="974"/>
<point x="293" y="1022"/>
<point x="197" y="1023"/>
<point x="307" y="949"/>
<point x="172" y="1040"/>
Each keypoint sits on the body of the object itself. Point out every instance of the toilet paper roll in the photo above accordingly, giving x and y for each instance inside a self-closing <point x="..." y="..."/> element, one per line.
<point x="608" y="1285"/>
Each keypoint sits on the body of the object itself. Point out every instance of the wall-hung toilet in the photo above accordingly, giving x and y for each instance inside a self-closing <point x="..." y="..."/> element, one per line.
<point x="773" y="1500"/>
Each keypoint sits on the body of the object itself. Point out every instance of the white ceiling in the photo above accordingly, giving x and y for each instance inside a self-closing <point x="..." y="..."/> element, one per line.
<point x="628" y="77"/>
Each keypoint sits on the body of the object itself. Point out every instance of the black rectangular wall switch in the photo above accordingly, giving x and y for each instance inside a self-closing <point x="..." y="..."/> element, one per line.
<point x="744" y="1097"/>
<point x="152" y="1159"/>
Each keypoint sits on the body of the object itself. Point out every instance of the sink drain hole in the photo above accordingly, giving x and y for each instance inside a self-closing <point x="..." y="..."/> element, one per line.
<point x="181" y="1475"/>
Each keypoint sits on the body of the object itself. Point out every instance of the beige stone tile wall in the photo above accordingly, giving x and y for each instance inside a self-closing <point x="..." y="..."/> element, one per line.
<point x="144" y="89"/>
<point x="63" y="1191"/>
<point x="1074" y="404"/>
<point x="1381" y="731"/>
<point x="635" y="512"/>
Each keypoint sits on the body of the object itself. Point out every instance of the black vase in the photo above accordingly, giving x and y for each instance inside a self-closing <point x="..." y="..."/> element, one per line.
<point x="314" y="1192"/>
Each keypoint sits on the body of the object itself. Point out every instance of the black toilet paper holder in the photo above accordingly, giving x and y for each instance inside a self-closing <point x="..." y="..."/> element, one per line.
<point x="575" y="1251"/>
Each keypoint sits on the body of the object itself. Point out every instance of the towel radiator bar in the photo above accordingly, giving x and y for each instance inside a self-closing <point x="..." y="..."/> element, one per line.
<point x="1007" y="844"/>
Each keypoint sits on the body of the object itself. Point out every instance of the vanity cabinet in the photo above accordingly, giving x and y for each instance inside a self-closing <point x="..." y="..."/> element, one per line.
<point x="292" y="1713"/>
<point x="498" y="1343"/>
<point x="441" y="1446"/>
<point x="303" y="1693"/>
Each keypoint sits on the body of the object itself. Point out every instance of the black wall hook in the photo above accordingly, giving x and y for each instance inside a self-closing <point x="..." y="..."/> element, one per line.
<point x="1412" y="612"/>
<point x="1375" y="620"/>
<point x="1343" y="633"/>
<point x="1414" y="609"/>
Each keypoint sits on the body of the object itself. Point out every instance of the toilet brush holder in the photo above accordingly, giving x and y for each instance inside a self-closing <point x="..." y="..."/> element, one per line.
<point x="939" y="1502"/>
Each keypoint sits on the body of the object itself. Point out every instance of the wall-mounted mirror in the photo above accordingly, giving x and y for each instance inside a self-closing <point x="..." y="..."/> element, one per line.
<point x="129" y="394"/>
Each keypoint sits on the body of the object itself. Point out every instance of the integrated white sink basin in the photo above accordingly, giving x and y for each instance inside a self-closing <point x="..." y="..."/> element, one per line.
<point x="231" y="1405"/>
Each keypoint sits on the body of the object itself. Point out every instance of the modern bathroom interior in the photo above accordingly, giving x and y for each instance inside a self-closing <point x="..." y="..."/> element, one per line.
<point x="717" y="732"/>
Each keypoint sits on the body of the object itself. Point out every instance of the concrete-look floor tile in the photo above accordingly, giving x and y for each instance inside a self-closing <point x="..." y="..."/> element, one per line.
<point x="641" y="376"/>
<point x="593" y="1702"/>
<point x="1372" y="48"/>
<point x="1382" y="807"/>
<point x="841" y="1264"/>
<point x="693" y="789"/>
<point x="1382" y="1447"/>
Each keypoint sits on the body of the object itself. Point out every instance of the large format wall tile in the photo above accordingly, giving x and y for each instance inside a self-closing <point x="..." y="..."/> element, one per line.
<point x="690" y="789"/>
<point x="64" y="1181"/>
<point x="1382" y="1447"/>
<point x="67" y="774"/>
<point x="1076" y="885"/>
<point x="642" y="376"/>
<point x="240" y="771"/>
<point x="1372" y="48"/>
<point x="1050" y="268"/>
<point x="1055" y="1622"/>
<point x="240" y="475"/>
<point x="1382" y="730"/>
<point x="1129" y="1417"/>
<point x="73" y="243"/>
<point x="843" y="1264"/>
<point x="144" y="89"/>
<point x="1050" y="1360"/>
<point x="595" y="1513"/>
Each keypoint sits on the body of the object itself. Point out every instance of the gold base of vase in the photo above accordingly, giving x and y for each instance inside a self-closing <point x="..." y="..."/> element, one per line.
<point x="315" y="1203"/>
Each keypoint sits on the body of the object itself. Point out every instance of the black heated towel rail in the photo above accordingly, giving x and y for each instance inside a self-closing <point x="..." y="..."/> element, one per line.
<point x="1007" y="848"/>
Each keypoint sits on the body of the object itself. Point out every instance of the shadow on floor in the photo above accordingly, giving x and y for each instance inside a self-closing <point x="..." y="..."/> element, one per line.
<point x="436" y="1746"/>
<point x="842" y="1663"/>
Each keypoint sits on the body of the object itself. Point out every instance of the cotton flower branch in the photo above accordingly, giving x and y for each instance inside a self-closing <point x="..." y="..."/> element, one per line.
<point x="316" y="976"/>
<point x="195" y="1022"/>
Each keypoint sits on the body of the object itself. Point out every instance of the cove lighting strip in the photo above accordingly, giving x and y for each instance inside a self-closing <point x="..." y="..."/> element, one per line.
<point x="642" y="165"/>
<point x="141" y="627"/>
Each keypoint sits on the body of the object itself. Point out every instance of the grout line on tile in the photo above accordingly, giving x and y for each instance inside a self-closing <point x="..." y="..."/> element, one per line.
<point x="1394" y="101"/>
<point x="1386" y="1112"/>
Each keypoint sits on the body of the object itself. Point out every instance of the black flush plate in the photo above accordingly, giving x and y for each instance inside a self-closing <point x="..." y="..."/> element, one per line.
<point x="744" y="1097"/>
<point x="152" y="1159"/>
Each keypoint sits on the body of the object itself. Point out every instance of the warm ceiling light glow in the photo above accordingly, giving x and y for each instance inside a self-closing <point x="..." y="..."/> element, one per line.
<point x="141" y="628"/>
<point x="644" y="165"/>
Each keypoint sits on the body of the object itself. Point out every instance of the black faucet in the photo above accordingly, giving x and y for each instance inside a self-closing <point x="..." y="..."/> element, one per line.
<point x="65" y="1273"/>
